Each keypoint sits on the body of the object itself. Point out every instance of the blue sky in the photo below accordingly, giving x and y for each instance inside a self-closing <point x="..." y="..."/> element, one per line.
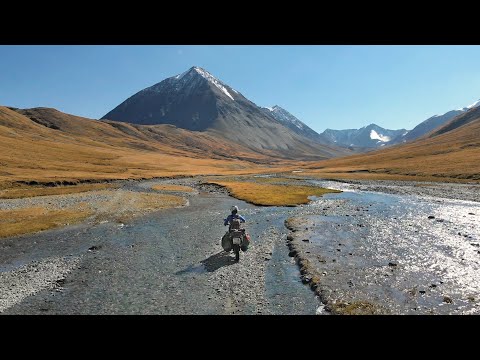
<point x="335" y="87"/>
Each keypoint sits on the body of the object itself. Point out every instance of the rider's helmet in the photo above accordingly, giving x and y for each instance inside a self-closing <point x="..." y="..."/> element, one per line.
<point x="234" y="209"/>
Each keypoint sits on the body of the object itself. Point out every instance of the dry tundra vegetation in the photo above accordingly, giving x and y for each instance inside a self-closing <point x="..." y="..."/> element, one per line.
<point x="46" y="153"/>
<point x="32" y="219"/>
<point x="271" y="194"/>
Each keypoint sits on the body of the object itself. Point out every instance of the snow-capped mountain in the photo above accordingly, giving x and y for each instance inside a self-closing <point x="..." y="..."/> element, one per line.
<point x="368" y="137"/>
<point x="196" y="100"/>
<point x="373" y="136"/>
<point x="474" y="105"/>
<point x="187" y="100"/>
<point x="294" y="124"/>
<point x="433" y="123"/>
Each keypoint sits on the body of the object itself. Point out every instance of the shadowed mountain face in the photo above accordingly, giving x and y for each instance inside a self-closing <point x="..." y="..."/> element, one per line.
<point x="195" y="100"/>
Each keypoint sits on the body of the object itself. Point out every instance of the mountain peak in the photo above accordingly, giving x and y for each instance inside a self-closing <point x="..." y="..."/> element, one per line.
<point x="196" y="72"/>
<point x="277" y="108"/>
<point x="195" y="100"/>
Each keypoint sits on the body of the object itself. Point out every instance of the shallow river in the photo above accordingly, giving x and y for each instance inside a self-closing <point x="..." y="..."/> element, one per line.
<point x="411" y="254"/>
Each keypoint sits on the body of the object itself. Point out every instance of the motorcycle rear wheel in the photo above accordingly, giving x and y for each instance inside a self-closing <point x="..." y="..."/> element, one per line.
<point x="236" y="250"/>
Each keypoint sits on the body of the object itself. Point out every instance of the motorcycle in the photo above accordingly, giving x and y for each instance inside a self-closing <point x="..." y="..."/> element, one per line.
<point x="236" y="240"/>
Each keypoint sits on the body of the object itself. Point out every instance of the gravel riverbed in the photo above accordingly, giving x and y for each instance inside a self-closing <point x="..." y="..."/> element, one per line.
<point x="164" y="262"/>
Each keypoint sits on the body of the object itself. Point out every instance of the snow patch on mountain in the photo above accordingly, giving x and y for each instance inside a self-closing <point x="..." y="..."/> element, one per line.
<point x="187" y="81"/>
<point x="474" y="105"/>
<point x="466" y="108"/>
<point x="213" y="80"/>
<point x="376" y="136"/>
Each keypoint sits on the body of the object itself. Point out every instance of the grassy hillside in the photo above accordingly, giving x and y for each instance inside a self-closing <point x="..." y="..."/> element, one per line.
<point x="46" y="145"/>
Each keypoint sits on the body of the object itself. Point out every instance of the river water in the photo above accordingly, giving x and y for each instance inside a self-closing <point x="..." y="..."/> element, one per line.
<point x="407" y="253"/>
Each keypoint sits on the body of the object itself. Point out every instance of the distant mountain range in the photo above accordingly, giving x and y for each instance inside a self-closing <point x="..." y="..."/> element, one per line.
<point x="450" y="151"/>
<point x="368" y="137"/>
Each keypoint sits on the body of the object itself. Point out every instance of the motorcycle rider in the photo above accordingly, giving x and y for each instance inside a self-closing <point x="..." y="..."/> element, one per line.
<point x="228" y="242"/>
<point x="233" y="215"/>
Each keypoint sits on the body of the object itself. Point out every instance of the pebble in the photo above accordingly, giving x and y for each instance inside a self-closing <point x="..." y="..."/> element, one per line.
<point x="447" y="299"/>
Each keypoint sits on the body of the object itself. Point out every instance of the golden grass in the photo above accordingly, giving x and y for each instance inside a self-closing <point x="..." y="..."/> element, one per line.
<point x="23" y="221"/>
<point x="32" y="191"/>
<point x="267" y="180"/>
<point x="169" y="187"/>
<point x="272" y="195"/>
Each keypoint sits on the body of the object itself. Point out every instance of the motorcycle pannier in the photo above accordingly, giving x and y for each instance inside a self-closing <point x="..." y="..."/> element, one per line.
<point x="245" y="242"/>
<point x="227" y="242"/>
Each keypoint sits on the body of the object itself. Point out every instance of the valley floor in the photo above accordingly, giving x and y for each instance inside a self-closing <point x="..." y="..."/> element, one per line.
<point x="165" y="262"/>
<point x="371" y="249"/>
